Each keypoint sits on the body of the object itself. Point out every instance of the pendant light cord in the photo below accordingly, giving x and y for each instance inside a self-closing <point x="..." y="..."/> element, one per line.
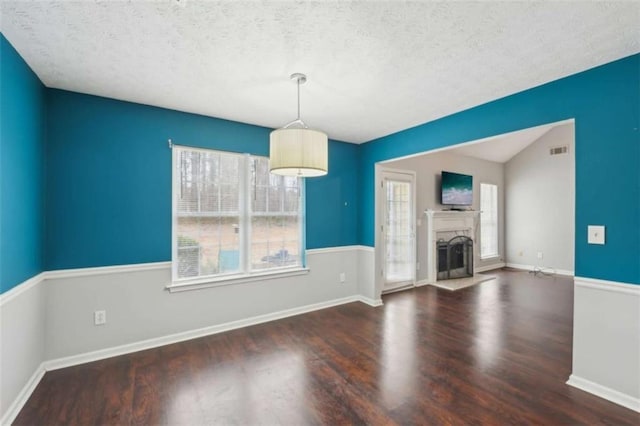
<point x="300" y="79"/>
<point x="299" y="100"/>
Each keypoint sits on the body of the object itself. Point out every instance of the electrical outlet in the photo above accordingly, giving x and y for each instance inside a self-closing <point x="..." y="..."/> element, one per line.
<point x="343" y="277"/>
<point x="100" y="317"/>
<point x="520" y="253"/>
<point x="595" y="234"/>
<point x="540" y="255"/>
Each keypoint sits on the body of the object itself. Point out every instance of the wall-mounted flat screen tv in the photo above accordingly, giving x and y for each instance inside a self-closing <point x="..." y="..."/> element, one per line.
<point x="457" y="189"/>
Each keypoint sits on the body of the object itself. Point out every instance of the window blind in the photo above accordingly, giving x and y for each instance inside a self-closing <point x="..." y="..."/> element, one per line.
<point x="231" y="217"/>
<point x="488" y="220"/>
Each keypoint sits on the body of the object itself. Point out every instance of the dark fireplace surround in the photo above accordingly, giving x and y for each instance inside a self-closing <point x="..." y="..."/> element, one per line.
<point x="455" y="258"/>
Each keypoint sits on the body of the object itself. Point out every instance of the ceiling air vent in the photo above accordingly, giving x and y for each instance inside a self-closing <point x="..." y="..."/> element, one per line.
<point x="558" y="150"/>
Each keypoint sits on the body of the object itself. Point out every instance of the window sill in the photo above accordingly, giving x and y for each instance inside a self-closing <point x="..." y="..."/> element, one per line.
<point x="197" y="284"/>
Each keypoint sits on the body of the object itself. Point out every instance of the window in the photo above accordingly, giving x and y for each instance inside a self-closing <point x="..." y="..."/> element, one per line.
<point x="488" y="220"/>
<point x="231" y="217"/>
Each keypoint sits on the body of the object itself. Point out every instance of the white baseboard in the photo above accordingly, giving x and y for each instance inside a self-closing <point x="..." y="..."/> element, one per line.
<point x="544" y="269"/>
<point x="369" y="301"/>
<point x="520" y="266"/>
<point x="194" y="334"/>
<point x="17" y="404"/>
<point x="422" y="283"/>
<point x="489" y="267"/>
<point x="605" y="392"/>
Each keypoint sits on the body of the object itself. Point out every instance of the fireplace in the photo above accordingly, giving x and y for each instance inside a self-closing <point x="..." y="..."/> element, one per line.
<point x="450" y="244"/>
<point x="455" y="258"/>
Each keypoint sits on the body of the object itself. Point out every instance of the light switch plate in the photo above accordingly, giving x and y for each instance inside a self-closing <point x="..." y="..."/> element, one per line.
<point x="595" y="234"/>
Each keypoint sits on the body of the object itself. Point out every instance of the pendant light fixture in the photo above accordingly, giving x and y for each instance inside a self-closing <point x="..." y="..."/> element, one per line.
<point x="296" y="150"/>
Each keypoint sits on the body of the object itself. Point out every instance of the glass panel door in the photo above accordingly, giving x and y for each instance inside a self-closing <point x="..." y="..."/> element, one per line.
<point x="398" y="230"/>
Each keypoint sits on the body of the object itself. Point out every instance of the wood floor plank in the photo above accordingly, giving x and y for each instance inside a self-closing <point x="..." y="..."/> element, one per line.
<point x="499" y="352"/>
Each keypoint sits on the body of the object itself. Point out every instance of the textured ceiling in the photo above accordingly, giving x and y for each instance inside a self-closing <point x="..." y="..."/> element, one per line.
<point x="374" y="67"/>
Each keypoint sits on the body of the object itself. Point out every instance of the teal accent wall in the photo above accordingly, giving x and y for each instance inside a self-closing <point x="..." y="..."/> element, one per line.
<point x="104" y="197"/>
<point x="605" y="103"/>
<point x="109" y="180"/>
<point x="21" y="169"/>
<point x="332" y="200"/>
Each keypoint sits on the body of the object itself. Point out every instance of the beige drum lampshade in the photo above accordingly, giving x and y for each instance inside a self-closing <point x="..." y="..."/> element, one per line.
<point x="298" y="152"/>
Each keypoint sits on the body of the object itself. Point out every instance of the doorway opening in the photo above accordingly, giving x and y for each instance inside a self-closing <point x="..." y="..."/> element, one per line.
<point x="527" y="170"/>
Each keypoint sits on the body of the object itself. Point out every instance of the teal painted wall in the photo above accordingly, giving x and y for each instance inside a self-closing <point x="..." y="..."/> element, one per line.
<point x="109" y="180"/>
<point x="108" y="192"/>
<point x="605" y="103"/>
<point x="21" y="164"/>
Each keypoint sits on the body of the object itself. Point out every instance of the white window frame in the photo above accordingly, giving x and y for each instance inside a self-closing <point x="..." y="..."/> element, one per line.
<point x="245" y="275"/>
<point x="495" y="207"/>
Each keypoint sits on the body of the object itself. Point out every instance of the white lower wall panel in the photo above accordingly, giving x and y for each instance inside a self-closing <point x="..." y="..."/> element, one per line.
<point x="366" y="277"/>
<point x="139" y="308"/>
<point x="606" y="340"/>
<point x="155" y="342"/>
<point x="22" y="340"/>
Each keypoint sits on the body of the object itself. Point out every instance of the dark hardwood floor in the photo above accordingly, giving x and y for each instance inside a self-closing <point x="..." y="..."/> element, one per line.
<point x="495" y="353"/>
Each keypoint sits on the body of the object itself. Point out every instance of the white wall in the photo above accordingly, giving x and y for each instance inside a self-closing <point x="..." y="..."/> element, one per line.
<point x="540" y="200"/>
<point x="139" y="308"/>
<point x="22" y="344"/>
<point x="606" y="340"/>
<point x="366" y="276"/>
<point x="428" y="169"/>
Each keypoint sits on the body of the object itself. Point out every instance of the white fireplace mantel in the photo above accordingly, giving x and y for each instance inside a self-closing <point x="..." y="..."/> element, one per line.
<point x="444" y="225"/>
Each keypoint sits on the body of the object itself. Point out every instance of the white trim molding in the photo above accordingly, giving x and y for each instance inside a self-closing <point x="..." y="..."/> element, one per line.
<point x="201" y="283"/>
<point x="617" y="287"/>
<point x="371" y="302"/>
<point x="491" y="267"/>
<point x="101" y="270"/>
<point x="519" y="266"/>
<point x="22" y="398"/>
<point x="338" y="249"/>
<point x="604" y="392"/>
<point x="546" y="269"/>
<point x="16" y="291"/>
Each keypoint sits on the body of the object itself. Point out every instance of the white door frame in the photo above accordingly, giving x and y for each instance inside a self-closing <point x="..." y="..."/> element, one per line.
<point x="380" y="261"/>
